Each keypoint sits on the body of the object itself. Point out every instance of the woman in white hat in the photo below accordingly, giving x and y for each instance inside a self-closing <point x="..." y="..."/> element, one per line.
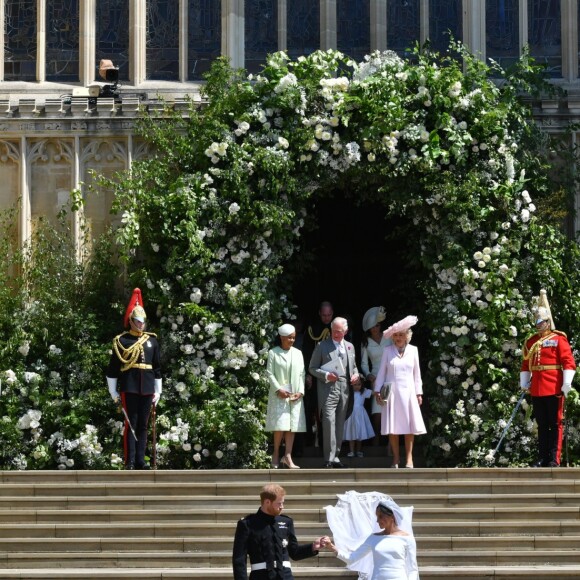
<point x="372" y="346"/>
<point x="400" y="372"/>
<point x="285" y="413"/>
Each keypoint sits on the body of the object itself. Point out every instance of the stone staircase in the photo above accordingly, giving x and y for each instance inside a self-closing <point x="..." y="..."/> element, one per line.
<point x="469" y="523"/>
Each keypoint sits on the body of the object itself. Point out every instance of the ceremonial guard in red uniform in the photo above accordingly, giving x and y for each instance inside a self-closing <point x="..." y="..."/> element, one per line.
<point x="134" y="371"/>
<point x="268" y="538"/>
<point x="547" y="370"/>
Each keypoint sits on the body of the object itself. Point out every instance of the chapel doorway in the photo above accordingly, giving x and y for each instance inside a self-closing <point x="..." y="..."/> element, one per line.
<point x="357" y="258"/>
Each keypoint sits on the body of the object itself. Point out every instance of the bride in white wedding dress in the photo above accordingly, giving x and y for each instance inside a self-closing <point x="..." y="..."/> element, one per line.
<point x="385" y="548"/>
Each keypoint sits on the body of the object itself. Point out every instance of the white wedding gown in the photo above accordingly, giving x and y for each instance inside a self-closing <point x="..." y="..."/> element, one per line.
<point x="353" y="522"/>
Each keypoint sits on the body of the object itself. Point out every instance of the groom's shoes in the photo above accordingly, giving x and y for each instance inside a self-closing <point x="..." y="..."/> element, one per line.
<point x="334" y="465"/>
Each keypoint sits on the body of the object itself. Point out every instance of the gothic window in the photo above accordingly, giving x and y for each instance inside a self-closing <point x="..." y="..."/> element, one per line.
<point x="403" y="25"/>
<point x="445" y="21"/>
<point x="502" y="31"/>
<point x="113" y="34"/>
<point x="162" y="61"/>
<point x="20" y="40"/>
<point x="354" y="28"/>
<point x="62" y="40"/>
<point x="261" y="32"/>
<point x="204" y="40"/>
<point x="544" y="34"/>
<point x="303" y="21"/>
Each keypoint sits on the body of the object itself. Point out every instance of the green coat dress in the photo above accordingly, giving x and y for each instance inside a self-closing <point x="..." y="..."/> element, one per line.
<point x="285" y="367"/>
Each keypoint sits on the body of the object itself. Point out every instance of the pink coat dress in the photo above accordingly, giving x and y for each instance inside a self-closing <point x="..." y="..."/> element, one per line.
<point x="402" y="414"/>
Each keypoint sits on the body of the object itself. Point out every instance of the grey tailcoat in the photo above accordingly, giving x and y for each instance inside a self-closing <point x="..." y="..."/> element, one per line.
<point x="334" y="399"/>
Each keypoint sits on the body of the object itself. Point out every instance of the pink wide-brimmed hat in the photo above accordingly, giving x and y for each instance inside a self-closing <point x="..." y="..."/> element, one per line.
<point x="401" y="326"/>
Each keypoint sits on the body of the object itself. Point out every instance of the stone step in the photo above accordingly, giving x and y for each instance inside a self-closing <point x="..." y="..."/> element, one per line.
<point x="260" y="476"/>
<point x="10" y="505"/>
<point x="294" y="489"/>
<point x="469" y="523"/>
<point x="210" y="530"/>
<point x="508" y="514"/>
<point x="203" y="543"/>
<point x="202" y="573"/>
<point x="548" y="572"/>
<point x="167" y="560"/>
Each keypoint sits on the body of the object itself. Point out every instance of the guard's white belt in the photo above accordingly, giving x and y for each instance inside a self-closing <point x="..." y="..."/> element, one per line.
<point x="264" y="566"/>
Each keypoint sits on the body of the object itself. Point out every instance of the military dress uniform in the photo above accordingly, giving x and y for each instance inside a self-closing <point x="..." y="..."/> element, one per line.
<point x="546" y="356"/>
<point x="135" y="363"/>
<point x="270" y="542"/>
<point x="315" y="333"/>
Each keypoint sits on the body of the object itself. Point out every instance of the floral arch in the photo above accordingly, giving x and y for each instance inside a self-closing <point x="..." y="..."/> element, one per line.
<point x="213" y="221"/>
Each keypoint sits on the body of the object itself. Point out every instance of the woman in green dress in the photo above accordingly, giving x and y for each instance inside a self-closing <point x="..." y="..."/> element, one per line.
<point x="285" y="414"/>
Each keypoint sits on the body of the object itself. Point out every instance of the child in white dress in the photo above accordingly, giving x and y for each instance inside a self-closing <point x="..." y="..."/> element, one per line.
<point x="358" y="426"/>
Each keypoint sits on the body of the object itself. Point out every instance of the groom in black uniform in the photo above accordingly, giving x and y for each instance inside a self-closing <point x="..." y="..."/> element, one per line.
<point x="135" y="369"/>
<point x="268" y="538"/>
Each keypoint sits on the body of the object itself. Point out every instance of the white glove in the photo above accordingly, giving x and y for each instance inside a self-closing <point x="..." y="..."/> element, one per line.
<point x="158" y="390"/>
<point x="525" y="378"/>
<point x="568" y="377"/>
<point x="112" y="384"/>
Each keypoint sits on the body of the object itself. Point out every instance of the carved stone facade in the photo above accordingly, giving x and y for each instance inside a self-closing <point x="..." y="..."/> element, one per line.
<point x="50" y="141"/>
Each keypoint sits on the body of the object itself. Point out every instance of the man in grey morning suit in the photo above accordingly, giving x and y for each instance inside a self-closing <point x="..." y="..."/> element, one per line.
<point x="334" y="387"/>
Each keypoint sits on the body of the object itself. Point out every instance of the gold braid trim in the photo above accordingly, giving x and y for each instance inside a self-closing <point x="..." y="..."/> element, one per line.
<point x="129" y="356"/>
<point x="534" y="350"/>
<point x="323" y="335"/>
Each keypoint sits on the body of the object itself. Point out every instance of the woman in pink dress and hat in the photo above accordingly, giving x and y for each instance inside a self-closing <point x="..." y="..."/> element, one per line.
<point x="400" y="374"/>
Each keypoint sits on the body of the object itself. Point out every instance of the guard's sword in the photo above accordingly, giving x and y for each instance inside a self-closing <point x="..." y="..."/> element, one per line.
<point x="129" y="422"/>
<point x="510" y="421"/>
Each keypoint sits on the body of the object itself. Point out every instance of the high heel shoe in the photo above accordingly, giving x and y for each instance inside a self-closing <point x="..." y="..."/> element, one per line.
<point x="284" y="463"/>
<point x="274" y="465"/>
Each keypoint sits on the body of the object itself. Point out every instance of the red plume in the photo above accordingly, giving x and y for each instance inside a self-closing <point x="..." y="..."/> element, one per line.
<point x="136" y="300"/>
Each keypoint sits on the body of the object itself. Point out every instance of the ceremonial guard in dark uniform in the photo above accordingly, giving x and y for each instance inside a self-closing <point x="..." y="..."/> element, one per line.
<point x="268" y="538"/>
<point x="134" y="371"/>
<point x="547" y="370"/>
<point x="316" y="332"/>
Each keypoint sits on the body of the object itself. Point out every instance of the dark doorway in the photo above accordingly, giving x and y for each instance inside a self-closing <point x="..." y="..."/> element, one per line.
<point x="356" y="258"/>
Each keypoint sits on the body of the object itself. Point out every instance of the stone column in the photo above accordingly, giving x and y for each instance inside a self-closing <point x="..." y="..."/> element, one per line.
<point x="474" y="27"/>
<point x="424" y="18"/>
<point x="2" y="39"/>
<point x="24" y="194"/>
<point x="523" y="13"/>
<point x="77" y="215"/>
<point x="137" y="41"/>
<point x="41" y="41"/>
<point x="282" y="25"/>
<point x="183" y="37"/>
<point x="233" y="33"/>
<point x="87" y="37"/>
<point x="569" y="39"/>
<point x="378" y="25"/>
<point x="328" y="26"/>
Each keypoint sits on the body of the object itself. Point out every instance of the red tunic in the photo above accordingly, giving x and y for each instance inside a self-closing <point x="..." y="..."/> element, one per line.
<point x="546" y="357"/>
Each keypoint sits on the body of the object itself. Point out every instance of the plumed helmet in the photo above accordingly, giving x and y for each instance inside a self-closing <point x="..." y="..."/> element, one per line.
<point x="541" y="309"/>
<point x="135" y="310"/>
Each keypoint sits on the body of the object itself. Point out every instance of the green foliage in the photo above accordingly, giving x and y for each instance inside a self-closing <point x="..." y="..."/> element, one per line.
<point x="53" y="311"/>
<point x="211" y="227"/>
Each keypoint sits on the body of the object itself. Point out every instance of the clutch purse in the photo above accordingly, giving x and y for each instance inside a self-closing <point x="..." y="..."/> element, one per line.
<point x="385" y="392"/>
